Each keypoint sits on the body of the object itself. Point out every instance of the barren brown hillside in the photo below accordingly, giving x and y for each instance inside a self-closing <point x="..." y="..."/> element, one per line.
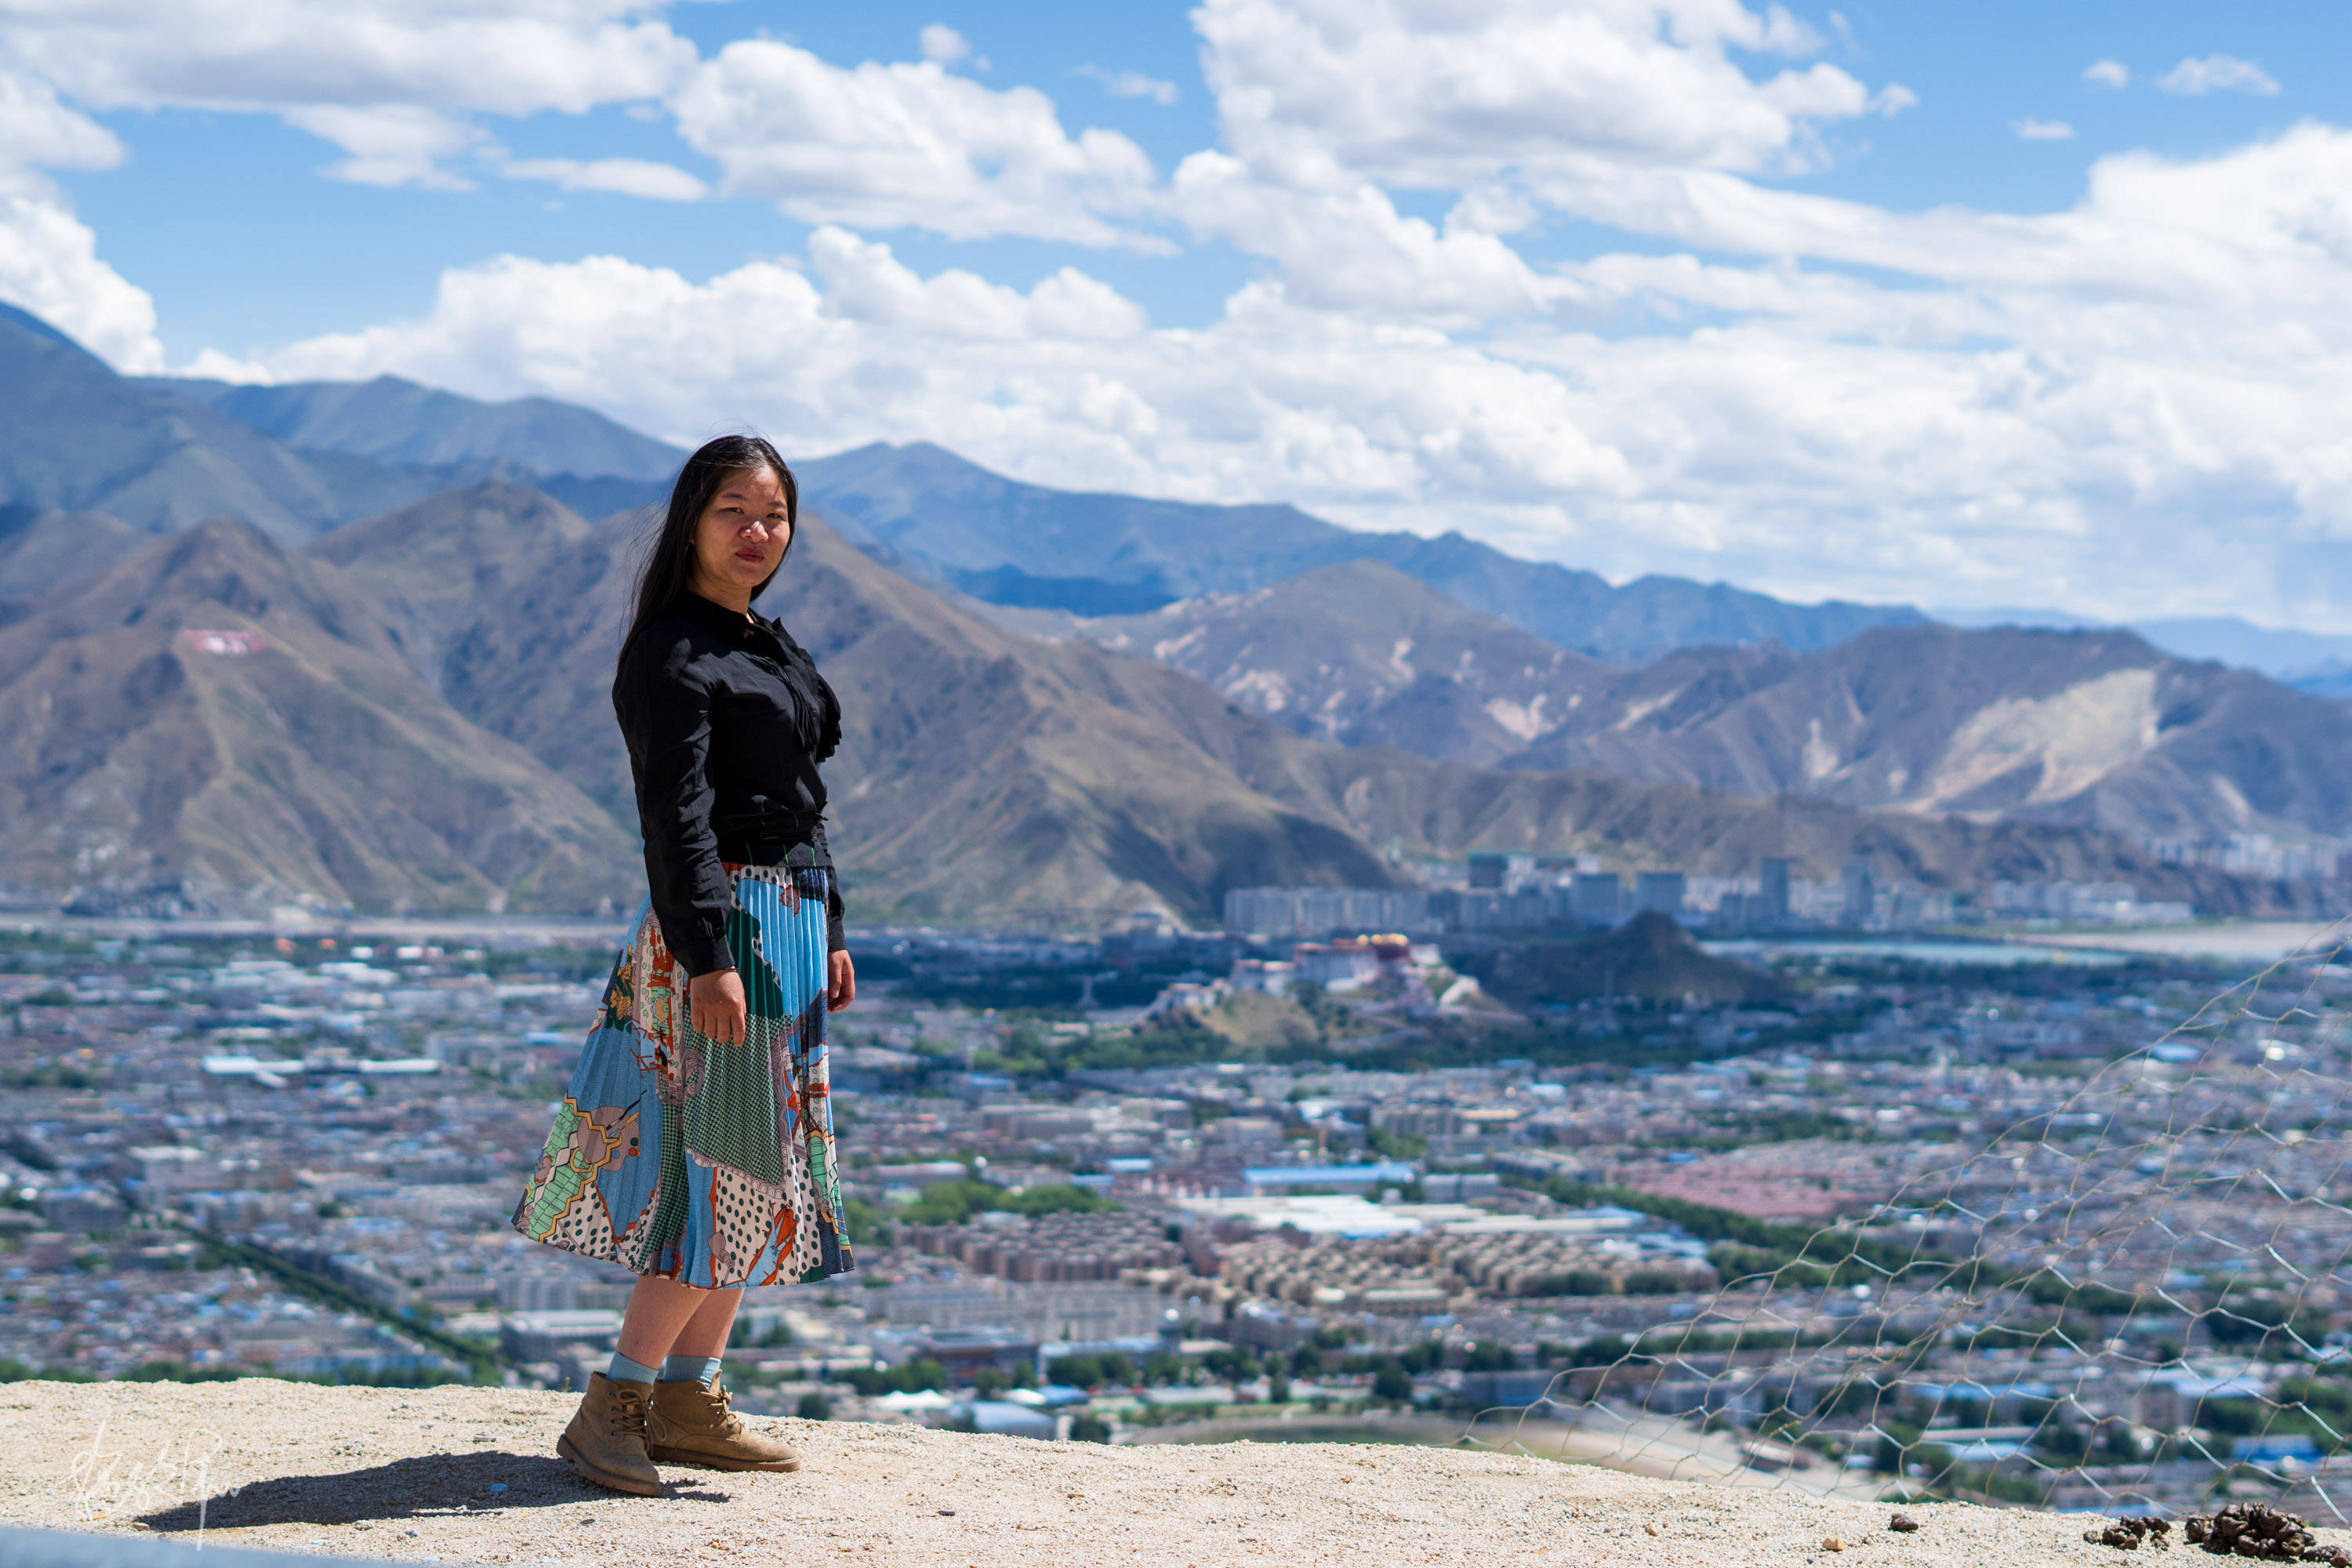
<point x="218" y="717"/>
<point x="982" y="769"/>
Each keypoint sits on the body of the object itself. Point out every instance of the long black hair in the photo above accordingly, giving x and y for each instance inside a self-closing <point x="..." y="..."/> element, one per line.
<point x="669" y="560"/>
<point x="669" y="570"/>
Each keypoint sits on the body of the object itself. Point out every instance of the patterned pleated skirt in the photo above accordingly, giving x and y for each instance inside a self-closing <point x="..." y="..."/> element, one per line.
<point x="675" y="1155"/>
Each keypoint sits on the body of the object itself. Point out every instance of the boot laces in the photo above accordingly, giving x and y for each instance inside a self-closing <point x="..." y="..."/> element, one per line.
<point x="721" y="1398"/>
<point x="626" y="1410"/>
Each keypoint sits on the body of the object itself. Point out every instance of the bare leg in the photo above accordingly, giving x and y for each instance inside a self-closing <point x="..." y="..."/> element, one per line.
<point x="705" y="1334"/>
<point x="660" y="1310"/>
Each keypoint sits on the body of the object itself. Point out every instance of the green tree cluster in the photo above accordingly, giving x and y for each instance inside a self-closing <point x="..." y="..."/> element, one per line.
<point x="952" y="1202"/>
<point x="914" y="1377"/>
<point x="1110" y="1370"/>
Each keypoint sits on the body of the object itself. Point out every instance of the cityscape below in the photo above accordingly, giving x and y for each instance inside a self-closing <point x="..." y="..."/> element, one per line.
<point x="1161" y="1185"/>
<point x="1525" y="891"/>
<point x="1588" y="765"/>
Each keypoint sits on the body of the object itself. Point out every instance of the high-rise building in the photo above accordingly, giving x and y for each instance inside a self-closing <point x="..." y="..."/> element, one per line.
<point x="1491" y="871"/>
<point x="1596" y="897"/>
<point x="1861" y="894"/>
<point x="1659" y="892"/>
<point x="1772" y="893"/>
<point x="1312" y="911"/>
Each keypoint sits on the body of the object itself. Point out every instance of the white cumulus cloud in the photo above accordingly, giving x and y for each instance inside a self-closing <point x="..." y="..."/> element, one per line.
<point x="385" y="80"/>
<point x="1065" y="381"/>
<point x="907" y="145"/>
<point x="1134" y="84"/>
<point x="389" y="145"/>
<point x="49" y="266"/>
<point x="864" y="282"/>
<point x="1320" y="92"/>
<point x="2133" y="405"/>
<point x="2032" y="130"/>
<point x="505" y="57"/>
<point x="942" y="44"/>
<point x="2107" y="73"/>
<point x="620" y="176"/>
<point x="2048" y="408"/>
<point x="48" y="258"/>
<point x="37" y="132"/>
<point x="1595" y="108"/>
<point x="1351" y="250"/>
<point x="2217" y="73"/>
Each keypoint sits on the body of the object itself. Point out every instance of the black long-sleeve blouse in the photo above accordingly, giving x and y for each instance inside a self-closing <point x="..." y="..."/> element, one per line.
<point x="726" y="719"/>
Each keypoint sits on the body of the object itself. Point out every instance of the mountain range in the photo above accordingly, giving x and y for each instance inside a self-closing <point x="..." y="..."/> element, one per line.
<point x="2097" y="729"/>
<point x="413" y="714"/>
<point x="159" y="454"/>
<point x="933" y="515"/>
<point x="399" y="422"/>
<point x="81" y="438"/>
<point x="1362" y="654"/>
<point x="366" y="684"/>
<point x="217" y="721"/>
<point x="2093" y="728"/>
<point x="928" y="513"/>
<point x="301" y="457"/>
<point x="335" y="450"/>
<point x="2316" y="662"/>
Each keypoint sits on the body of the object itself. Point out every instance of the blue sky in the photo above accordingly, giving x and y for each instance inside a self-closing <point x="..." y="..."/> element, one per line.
<point x="224" y="220"/>
<point x="1889" y="301"/>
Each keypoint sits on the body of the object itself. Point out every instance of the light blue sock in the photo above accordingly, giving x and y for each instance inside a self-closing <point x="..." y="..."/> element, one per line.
<point x="623" y="1370"/>
<point x="689" y="1369"/>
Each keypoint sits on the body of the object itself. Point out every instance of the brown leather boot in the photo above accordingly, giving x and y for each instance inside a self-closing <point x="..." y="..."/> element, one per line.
<point x="692" y="1425"/>
<point x="606" y="1439"/>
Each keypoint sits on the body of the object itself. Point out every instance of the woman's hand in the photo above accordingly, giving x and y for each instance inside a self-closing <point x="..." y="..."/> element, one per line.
<point x="841" y="981"/>
<point x="715" y="1006"/>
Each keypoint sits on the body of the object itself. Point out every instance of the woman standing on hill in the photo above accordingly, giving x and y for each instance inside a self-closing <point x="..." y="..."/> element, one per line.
<point x="694" y="1146"/>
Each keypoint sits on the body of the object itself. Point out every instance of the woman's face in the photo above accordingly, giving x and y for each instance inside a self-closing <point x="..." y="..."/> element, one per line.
<point x="742" y="536"/>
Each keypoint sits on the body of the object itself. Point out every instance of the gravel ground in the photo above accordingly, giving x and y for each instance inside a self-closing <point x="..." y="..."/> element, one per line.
<point x="469" y="1475"/>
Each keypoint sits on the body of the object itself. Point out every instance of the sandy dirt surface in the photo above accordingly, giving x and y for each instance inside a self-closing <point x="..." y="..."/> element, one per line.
<point x="467" y="1475"/>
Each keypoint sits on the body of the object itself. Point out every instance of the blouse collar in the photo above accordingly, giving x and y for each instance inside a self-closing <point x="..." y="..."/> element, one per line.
<point x="736" y="626"/>
<point x="717" y="613"/>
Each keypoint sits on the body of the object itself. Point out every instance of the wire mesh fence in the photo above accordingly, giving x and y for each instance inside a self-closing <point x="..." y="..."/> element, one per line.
<point x="2136" y="1300"/>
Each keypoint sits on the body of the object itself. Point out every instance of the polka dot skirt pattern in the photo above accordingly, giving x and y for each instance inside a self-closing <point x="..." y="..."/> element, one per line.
<point x="675" y="1155"/>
